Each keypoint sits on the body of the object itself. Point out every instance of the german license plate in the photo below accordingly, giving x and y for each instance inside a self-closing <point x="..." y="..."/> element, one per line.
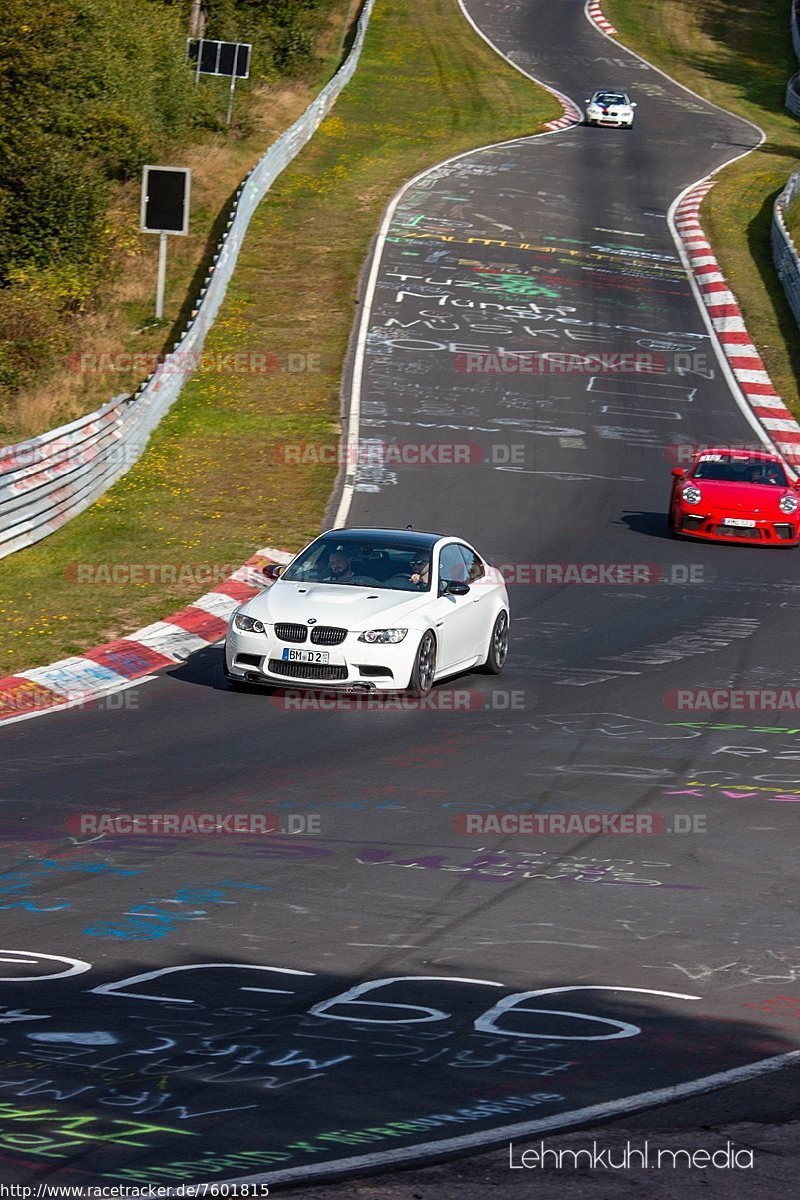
<point x="738" y="522"/>
<point x="307" y="656"/>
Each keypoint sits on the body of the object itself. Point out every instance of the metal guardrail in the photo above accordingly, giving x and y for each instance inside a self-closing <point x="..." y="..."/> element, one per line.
<point x="784" y="252"/>
<point x="48" y="480"/>
<point x="792" y="98"/>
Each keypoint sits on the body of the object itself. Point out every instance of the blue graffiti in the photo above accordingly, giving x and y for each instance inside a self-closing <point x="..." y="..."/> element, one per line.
<point x="149" y="922"/>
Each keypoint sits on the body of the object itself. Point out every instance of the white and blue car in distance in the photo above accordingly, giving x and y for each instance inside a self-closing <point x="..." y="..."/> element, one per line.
<point x="372" y="610"/>
<point x="610" y="107"/>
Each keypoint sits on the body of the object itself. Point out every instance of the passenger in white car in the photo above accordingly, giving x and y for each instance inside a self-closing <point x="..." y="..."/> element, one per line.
<point x="420" y="573"/>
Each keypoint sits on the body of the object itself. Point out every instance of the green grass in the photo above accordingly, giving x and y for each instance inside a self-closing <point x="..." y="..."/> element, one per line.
<point x="791" y="216"/>
<point x="209" y="490"/>
<point x="739" y="54"/>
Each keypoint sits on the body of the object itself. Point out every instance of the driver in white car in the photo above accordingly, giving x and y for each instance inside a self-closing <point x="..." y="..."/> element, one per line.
<point x="339" y="566"/>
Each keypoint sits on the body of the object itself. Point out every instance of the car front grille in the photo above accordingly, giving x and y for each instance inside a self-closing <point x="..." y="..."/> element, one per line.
<point x="328" y="635"/>
<point x="734" y="531"/>
<point x="291" y="633"/>
<point x="299" y="670"/>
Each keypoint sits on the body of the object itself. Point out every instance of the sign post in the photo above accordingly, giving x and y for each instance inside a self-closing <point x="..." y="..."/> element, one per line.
<point x="230" y="100"/>
<point x="164" y="210"/>
<point x="161" y="277"/>
<point x="231" y="59"/>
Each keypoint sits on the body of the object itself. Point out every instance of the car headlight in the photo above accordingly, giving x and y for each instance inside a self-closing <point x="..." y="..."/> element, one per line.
<point x="691" y="494"/>
<point x="247" y="624"/>
<point x="788" y="504"/>
<point x="384" y="636"/>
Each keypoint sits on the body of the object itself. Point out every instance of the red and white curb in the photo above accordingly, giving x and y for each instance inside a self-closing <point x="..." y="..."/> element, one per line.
<point x="595" y="15"/>
<point x="728" y="324"/>
<point x="572" y="114"/>
<point x="109" y="668"/>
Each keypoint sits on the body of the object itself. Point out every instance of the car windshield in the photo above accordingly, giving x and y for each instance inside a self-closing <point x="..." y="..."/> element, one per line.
<point x="611" y="98"/>
<point x="397" y="566"/>
<point x="740" y="470"/>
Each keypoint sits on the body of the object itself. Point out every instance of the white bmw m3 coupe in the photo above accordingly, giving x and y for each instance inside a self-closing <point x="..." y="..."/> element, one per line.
<point x="609" y="107"/>
<point x="372" y="610"/>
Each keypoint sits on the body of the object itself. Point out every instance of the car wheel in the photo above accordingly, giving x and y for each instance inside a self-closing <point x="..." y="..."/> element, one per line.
<point x="421" y="680"/>
<point x="498" y="645"/>
<point x="671" y="523"/>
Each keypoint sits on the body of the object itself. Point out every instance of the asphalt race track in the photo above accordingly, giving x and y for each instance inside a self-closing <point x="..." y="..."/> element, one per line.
<point x="396" y="985"/>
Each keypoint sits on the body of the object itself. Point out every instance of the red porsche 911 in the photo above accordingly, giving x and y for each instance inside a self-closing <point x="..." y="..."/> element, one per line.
<point x="736" y="495"/>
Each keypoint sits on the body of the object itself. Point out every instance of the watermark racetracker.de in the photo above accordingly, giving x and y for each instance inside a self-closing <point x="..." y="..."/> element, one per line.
<point x="548" y="362"/>
<point x="187" y="362"/>
<point x="441" y="699"/>
<point x="372" y="453"/>
<point x="683" y="454"/>
<point x="602" y="574"/>
<point x="186" y="824"/>
<point x="192" y="574"/>
<point x="581" y="824"/>
<point x="727" y="699"/>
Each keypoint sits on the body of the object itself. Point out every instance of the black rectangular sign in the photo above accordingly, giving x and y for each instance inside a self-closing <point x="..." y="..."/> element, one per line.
<point x="165" y="200"/>
<point x="220" y="58"/>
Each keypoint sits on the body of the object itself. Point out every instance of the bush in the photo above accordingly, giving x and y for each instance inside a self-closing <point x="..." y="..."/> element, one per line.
<point x="282" y="31"/>
<point x="31" y="337"/>
<point x="293" y="51"/>
<point x="53" y="208"/>
<point x="89" y="90"/>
